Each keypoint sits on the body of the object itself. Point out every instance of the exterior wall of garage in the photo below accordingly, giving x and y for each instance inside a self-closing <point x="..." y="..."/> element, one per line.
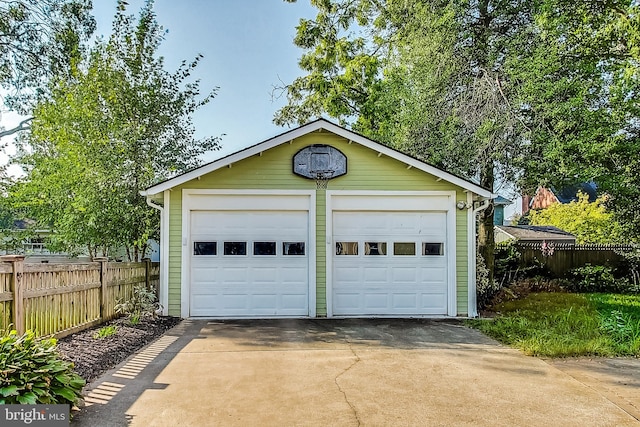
<point x="272" y="170"/>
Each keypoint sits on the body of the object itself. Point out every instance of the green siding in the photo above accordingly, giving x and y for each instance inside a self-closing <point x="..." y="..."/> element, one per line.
<point x="272" y="170"/>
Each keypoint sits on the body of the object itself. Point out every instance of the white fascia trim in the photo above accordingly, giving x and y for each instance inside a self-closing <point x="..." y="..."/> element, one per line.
<point x="185" y="276"/>
<point x="303" y="130"/>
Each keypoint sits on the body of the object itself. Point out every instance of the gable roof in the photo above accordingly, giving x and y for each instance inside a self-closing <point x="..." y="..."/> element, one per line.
<point x="535" y="232"/>
<point x="315" y="125"/>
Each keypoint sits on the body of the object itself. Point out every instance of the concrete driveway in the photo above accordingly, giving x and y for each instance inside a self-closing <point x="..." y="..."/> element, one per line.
<point x="345" y="373"/>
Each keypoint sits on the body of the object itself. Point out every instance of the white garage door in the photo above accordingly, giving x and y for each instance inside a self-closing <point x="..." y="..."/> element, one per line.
<point x="249" y="263"/>
<point x="389" y="263"/>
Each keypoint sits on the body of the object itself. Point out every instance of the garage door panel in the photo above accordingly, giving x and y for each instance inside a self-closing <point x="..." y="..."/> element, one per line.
<point x="376" y="274"/>
<point x="403" y="274"/>
<point x="346" y="301"/>
<point x="433" y="301"/>
<point x="258" y="282"/>
<point x="389" y="283"/>
<point x="438" y="275"/>
<point x="347" y="274"/>
<point x="408" y="301"/>
<point x="293" y="301"/>
<point x="376" y="301"/>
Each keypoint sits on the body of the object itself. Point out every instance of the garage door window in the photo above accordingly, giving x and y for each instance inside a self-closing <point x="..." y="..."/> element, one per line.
<point x="235" y="248"/>
<point x="404" y="248"/>
<point x="375" y="248"/>
<point x="264" y="248"/>
<point x="346" y="248"/>
<point x="432" y="249"/>
<point x="205" y="248"/>
<point x="293" y="248"/>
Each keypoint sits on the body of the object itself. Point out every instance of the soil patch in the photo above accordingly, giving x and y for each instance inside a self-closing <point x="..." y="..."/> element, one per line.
<point x="94" y="356"/>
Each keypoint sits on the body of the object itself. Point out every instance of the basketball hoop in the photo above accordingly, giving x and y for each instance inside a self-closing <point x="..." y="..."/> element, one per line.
<point x="322" y="179"/>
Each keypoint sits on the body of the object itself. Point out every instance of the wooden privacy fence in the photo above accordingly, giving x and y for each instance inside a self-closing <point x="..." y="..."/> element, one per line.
<point x="60" y="299"/>
<point x="560" y="258"/>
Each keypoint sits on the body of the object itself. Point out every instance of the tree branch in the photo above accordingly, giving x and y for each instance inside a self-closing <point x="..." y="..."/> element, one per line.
<point x="21" y="126"/>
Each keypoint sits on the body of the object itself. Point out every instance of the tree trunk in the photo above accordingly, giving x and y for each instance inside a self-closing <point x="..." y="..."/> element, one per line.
<point x="486" y="239"/>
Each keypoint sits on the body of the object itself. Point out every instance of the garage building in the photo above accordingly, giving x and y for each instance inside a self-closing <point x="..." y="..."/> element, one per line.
<point x="317" y="222"/>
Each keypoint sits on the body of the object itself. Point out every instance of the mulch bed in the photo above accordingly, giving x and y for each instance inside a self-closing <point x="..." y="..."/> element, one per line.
<point x="94" y="356"/>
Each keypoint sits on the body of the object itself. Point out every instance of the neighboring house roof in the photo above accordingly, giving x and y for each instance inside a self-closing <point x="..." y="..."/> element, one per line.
<point x="317" y="125"/>
<point x="544" y="196"/>
<point x="501" y="201"/>
<point x="535" y="232"/>
<point x="570" y="194"/>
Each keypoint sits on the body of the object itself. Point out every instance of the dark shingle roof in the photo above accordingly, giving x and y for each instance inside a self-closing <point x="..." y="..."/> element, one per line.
<point x="525" y="232"/>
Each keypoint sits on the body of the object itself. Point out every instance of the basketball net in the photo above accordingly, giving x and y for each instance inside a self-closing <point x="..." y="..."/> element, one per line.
<point x="322" y="179"/>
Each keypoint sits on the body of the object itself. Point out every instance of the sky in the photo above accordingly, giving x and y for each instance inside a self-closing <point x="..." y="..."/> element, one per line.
<point x="247" y="48"/>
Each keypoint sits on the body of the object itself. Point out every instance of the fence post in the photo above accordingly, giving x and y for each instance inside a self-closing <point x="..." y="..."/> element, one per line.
<point x="103" y="285"/>
<point x="17" y="263"/>
<point x="147" y="273"/>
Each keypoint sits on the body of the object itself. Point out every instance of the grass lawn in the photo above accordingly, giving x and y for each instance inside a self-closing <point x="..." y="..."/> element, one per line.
<point x="565" y="325"/>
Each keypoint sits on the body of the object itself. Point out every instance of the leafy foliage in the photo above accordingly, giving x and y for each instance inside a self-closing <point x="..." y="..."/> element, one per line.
<point x="39" y="40"/>
<point x="578" y="75"/>
<point x="567" y="325"/>
<point x="589" y="222"/>
<point x="105" y="332"/>
<point x="120" y="123"/>
<point x="143" y="303"/>
<point x="31" y="372"/>
<point x="485" y="289"/>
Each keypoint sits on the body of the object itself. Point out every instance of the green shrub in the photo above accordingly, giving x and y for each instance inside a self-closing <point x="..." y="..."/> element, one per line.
<point x="105" y="332"/>
<point x="32" y="372"/>
<point x="485" y="290"/>
<point x="143" y="303"/>
<point x="596" y="278"/>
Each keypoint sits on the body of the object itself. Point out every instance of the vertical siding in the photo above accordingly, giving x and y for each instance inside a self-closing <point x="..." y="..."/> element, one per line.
<point x="272" y="170"/>
<point x="462" y="258"/>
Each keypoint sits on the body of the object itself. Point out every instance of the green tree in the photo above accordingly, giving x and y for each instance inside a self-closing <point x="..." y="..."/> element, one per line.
<point x="426" y="77"/>
<point x="38" y="41"/>
<point x="589" y="222"/>
<point x="579" y="79"/>
<point x="119" y="123"/>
